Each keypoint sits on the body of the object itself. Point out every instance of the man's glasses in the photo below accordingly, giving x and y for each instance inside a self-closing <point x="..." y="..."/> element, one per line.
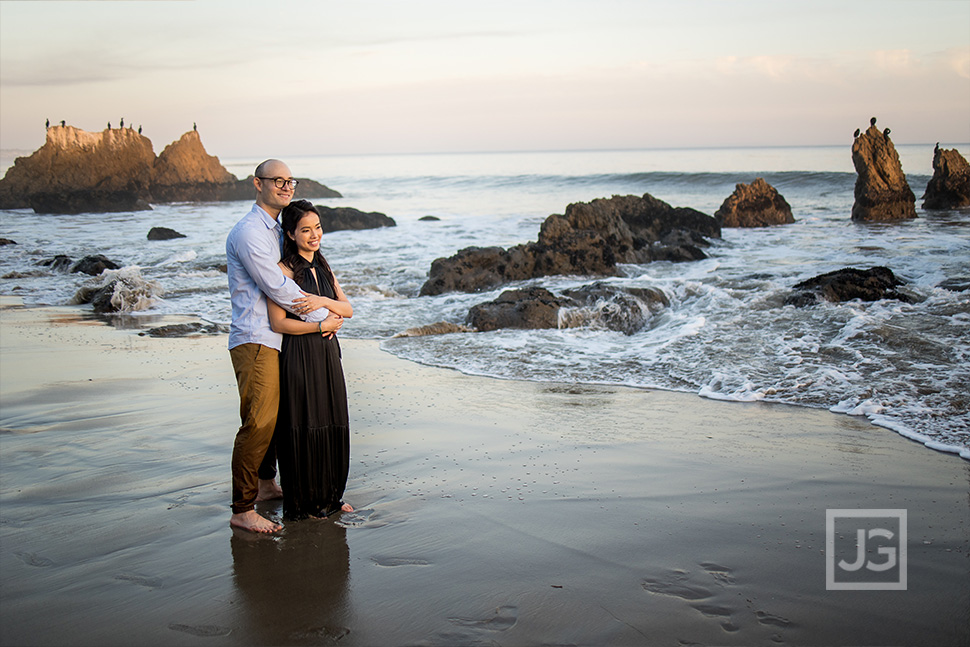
<point x="281" y="182"/>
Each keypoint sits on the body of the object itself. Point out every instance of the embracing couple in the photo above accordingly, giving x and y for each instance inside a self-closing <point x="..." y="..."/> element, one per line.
<point x="286" y="309"/>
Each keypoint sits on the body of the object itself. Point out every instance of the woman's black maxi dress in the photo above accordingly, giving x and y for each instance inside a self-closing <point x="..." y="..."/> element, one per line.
<point x="312" y="430"/>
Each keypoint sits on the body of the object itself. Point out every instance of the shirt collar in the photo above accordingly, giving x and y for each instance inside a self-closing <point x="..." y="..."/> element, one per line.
<point x="268" y="220"/>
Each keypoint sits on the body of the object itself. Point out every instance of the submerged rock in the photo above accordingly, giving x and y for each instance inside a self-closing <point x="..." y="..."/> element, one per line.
<point x="439" y="328"/>
<point x="589" y="239"/>
<point x="186" y="329"/>
<point x="163" y="233"/>
<point x="528" y="308"/>
<point x="7" y="241"/>
<point x="121" y="290"/>
<point x="754" y="205"/>
<point x="949" y="188"/>
<point x="849" y="283"/>
<point x="59" y="262"/>
<point x="881" y="190"/>
<point x="344" y="218"/>
<point x="94" y="265"/>
<point x="626" y="310"/>
<point x="599" y="305"/>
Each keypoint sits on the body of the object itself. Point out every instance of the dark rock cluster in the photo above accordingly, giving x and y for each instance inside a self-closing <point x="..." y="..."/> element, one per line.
<point x="589" y="239"/>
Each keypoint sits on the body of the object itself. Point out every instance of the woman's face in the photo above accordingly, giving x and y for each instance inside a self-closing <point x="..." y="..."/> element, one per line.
<point x="308" y="233"/>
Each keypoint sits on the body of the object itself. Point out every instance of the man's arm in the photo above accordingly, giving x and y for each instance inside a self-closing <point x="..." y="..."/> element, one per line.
<point x="257" y="256"/>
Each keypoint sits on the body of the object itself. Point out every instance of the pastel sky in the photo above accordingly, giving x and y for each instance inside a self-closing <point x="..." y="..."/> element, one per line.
<point x="274" y="78"/>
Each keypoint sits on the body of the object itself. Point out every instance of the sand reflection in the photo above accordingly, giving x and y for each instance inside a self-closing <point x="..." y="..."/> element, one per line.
<point x="293" y="587"/>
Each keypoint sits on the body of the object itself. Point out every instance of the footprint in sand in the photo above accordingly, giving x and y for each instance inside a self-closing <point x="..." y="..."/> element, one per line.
<point x="772" y="620"/>
<point x="675" y="585"/>
<point x="398" y="561"/>
<point x="722" y="574"/>
<point x="148" y="582"/>
<point x="316" y="634"/>
<point x="203" y="631"/>
<point x="504" y="618"/>
<point x="33" y="559"/>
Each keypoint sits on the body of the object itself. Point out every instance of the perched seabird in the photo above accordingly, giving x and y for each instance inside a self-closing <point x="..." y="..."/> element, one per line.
<point x="62" y="123"/>
<point x="122" y="123"/>
<point x="856" y="133"/>
<point x="886" y="132"/>
<point x="109" y="125"/>
<point x="872" y="121"/>
<point x="139" y="129"/>
<point x="194" y="127"/>
<point x="47" y="124"/>
<point x="936" y="149"/>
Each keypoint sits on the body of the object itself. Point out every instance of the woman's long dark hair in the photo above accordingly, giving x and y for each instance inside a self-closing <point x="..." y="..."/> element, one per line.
<point x="291" y="216"/>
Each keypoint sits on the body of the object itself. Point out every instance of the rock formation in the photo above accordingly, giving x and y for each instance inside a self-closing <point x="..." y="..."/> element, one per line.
<point x="589" y="239"/>
<point x="881" y="190"/>
<point x="342" y="218"/>
<point x="185" y="172"/>
<point x="77" y="171"/>
<point x="754" y="205"/>
<point x="625" y="310"/>
<point x="849" y="283"/>
<point x="116" y="170"/>
<point x="949" y="187"/>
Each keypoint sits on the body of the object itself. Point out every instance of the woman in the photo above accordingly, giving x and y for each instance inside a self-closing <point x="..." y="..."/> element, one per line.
<point x="312" y="430"/>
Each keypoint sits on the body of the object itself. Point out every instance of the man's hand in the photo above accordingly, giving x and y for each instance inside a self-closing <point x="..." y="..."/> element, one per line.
<point x="308" y="303"/>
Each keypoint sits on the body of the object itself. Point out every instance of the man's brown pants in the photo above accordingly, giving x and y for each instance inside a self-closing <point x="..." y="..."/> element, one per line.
<point x="257" y="370"/>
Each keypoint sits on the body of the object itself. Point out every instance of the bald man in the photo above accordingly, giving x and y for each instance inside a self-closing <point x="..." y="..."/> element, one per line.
<point x="252" y="257"/>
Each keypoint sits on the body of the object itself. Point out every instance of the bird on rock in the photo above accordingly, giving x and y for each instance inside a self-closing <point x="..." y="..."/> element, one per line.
<point x="886" y="132"/>
<point x="872" y="121"/>
<point x="855" y="134"/>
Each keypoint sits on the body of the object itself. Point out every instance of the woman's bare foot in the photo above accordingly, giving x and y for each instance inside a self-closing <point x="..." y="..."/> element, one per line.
<point x="346" y="507"/>
<point x="253" y="522"/>
<point x="269" y="490"/>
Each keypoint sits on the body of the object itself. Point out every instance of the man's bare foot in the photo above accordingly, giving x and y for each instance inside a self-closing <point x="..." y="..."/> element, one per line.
<point x="269" y="490"/>
<point x="346" y="507"/>
<point x="253" y="522"/>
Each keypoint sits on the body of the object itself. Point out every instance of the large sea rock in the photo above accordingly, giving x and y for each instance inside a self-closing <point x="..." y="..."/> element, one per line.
<point x="77" y="171"/>
<point x="949" y="188"/>
<point x="116" y="169"/>
<point x="589" y="239"/>
<point x="185" y="172"/>
<point x="881" y="190"/>
<point x="754" y="205"/>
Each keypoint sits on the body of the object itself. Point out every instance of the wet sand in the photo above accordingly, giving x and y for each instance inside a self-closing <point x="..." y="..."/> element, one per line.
<point x="489" y="511"/>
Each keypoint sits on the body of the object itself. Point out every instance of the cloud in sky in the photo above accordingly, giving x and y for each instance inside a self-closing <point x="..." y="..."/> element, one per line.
<point x="436" y="75"/>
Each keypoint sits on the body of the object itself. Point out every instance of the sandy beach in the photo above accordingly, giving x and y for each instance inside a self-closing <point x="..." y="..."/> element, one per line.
<point x="488" y="511"/>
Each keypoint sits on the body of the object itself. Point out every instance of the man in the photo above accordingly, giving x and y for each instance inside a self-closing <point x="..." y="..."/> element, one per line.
<point x="252" y="254"/>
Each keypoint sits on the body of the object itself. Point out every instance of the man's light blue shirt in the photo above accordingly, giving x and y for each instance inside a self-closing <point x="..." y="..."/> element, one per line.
<point x="252" y="257"/>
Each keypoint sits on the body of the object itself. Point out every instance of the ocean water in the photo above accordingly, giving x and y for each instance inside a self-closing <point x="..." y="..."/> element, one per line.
<point x="725" y="335"/>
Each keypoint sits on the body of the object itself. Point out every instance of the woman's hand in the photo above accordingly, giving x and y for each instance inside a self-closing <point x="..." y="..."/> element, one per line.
<point x="308" y="303"/>
<point x="331" y="324"/>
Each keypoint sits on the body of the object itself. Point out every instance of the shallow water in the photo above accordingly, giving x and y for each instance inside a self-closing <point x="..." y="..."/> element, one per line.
<point x="726" y="334"/>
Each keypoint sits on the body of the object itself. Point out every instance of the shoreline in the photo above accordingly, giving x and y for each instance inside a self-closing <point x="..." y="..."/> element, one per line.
<point x="489" y="511"/>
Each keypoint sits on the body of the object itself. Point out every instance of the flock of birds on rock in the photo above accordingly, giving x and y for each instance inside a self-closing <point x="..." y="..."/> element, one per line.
<point x="47" y="124"/>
